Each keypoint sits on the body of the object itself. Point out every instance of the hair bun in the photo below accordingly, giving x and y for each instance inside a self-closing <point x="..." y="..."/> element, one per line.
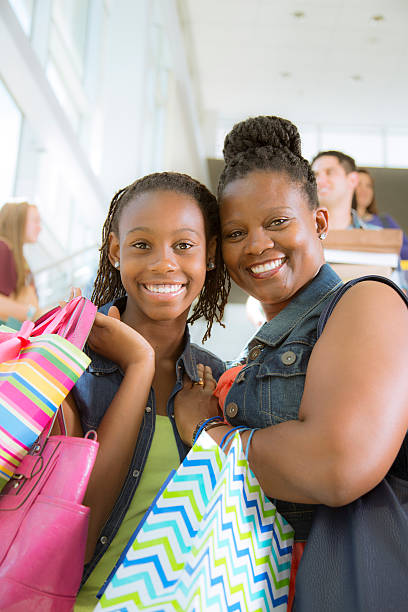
<point x="263" y="131"/>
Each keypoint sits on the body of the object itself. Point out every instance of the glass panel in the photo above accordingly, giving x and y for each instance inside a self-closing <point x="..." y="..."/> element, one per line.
<point x="24" y="13"/>
<point x="71" y="19"/>
<point x="60" y="90"/>
<point x="10" y="127"/>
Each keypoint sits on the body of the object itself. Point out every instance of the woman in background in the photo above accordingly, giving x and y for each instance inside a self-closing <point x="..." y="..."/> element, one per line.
<point x="20" y="223"/>
<point x="367" y="208"/>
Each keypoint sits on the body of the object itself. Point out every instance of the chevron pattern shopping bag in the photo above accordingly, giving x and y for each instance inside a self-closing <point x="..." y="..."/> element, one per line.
<point x="211" y="541"/>
<point x="36" y="374"/>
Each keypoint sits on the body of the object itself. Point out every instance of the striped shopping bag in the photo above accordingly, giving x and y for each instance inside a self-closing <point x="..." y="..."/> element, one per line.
<point x="211" y="541"/>
<point x="36" y="374"/>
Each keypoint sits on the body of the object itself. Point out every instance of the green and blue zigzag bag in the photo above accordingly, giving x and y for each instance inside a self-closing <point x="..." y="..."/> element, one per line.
<point x="210" y="541"/>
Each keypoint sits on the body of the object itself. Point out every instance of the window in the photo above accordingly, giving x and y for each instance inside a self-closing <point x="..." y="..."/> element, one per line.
<point x="10" y="127"/>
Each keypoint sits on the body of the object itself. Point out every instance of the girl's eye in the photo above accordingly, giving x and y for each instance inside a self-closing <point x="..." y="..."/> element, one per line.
<point x="183" y="246"/>
<point x="140" y="245"/>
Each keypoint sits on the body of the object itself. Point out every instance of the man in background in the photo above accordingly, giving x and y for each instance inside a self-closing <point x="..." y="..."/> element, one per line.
<point x="337" y="178"/>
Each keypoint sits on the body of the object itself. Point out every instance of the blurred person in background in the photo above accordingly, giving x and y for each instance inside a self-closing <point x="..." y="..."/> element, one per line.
<point x="20" y="223"/>
<point x="337" y="178"/>
<point x="366" y="207"/>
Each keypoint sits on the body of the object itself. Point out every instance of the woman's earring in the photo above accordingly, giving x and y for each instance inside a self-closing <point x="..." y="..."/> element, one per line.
<point x="323" y="235"/>
<point x="210" y="265"/>
<point x="117" y="265"/>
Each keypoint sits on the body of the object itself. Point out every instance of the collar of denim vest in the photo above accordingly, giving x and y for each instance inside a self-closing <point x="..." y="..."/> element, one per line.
<point x="104" y="365"/>
<point x="278" y="328"/>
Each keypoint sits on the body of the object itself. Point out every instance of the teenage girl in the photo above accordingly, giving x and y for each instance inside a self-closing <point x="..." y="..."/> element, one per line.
<point x="159" y="253"/>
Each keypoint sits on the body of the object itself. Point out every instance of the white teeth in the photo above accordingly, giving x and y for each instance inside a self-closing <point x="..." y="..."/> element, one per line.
<point x="163" y="288"/>
<point x="270" y="265"/>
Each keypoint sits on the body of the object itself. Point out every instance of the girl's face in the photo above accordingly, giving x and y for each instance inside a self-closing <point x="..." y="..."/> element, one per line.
<point x="33" y="225"/>
<point x="270" y="237"/>
<point x="364" y="190"/>
<point x="162" y="253"/>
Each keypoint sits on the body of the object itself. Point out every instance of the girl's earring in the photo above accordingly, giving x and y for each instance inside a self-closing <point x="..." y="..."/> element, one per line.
<point x="323" y="235"/>
<point x="211" y="265"/>
<point x="117" y="265"/>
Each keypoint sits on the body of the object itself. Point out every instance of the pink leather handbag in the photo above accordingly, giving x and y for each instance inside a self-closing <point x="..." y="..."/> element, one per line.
<point x="43" y="526"/>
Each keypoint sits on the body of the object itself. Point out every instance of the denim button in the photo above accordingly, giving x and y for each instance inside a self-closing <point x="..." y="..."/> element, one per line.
<point x="253" y="354"/>
<point x="288" y="357"/>
<point x="104" y="540"/>
<point x="148" y="409"/>
<point x="135" y="473"/>
<point x="231" y="409"/>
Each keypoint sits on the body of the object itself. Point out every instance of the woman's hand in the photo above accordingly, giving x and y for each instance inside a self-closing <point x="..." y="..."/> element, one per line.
<point x="194" y="403"/>
<point x="119" y="342"/>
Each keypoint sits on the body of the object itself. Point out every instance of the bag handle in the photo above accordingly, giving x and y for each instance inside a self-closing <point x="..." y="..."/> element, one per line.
<point x="328" y="309"/>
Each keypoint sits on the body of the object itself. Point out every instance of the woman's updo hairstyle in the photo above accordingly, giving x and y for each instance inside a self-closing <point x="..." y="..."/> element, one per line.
<point x="267" y="143"/>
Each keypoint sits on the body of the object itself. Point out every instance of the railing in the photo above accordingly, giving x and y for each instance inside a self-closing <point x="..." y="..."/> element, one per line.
<point x="55" y="280"/>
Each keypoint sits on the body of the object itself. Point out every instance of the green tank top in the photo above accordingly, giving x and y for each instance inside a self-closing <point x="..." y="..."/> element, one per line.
<point x="163" y="457"/>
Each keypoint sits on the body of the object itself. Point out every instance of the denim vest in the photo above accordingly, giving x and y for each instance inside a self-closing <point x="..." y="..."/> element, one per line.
<point x="269" y="388"/>
<point x="93" y="394"/>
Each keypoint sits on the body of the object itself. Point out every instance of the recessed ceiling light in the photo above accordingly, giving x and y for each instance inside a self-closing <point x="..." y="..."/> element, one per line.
<point x="357" y="77"/>
<point x="378" y="18"/>
<point x="299" y="14"/>
<point x="286" y="75"/>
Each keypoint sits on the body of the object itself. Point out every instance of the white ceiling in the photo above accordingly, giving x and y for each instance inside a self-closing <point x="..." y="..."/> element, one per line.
<point x="335" y="65"/>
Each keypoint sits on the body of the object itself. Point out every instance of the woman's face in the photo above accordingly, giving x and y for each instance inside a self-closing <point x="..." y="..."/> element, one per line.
<point x="270" y="237"/>
<point x="33" y="225"/>
<point x="364" y="190"/>
<point x="162" y="253"/>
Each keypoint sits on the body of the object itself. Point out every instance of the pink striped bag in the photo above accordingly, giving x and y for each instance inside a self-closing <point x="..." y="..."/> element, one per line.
<point x="36" y="374"/>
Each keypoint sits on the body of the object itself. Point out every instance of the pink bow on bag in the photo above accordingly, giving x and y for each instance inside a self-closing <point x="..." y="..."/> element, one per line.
<point x="12" y="343"/>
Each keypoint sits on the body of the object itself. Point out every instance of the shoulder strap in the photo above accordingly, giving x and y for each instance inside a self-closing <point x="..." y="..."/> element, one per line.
<point x="328" y="309"/>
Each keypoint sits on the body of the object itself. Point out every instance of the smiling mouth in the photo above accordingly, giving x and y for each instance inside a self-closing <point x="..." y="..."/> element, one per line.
<point x="173" y="289"/>
<point x="267" y="266"/>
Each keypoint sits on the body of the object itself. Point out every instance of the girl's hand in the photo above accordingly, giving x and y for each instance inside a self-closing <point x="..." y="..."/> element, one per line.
<point x="194" y="403"/>
<point x="119" y="342"/>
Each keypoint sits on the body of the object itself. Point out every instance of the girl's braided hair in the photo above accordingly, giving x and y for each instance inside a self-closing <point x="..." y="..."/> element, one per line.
<point x="108" y="286"/>
<point x="271" y="144"/>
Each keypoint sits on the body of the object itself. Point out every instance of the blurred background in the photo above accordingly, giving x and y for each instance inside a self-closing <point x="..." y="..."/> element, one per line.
<point x="95" y="93"/>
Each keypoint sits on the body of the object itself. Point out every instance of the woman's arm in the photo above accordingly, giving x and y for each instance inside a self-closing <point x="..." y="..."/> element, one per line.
<point x="119" y="428"/>
<point x="13" y="308"/>
<point x="354" y="411"/>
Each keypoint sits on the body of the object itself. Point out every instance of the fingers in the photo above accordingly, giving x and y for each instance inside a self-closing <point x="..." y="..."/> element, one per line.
<point x="114" y="312"/>
<point x="73" y="293"/>
<point x="205" y="375"/>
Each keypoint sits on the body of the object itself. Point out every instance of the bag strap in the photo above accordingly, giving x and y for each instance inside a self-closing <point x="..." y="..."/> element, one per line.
<point x="328" y="309"/>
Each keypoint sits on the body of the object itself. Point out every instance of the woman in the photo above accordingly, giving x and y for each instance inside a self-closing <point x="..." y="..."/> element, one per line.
<point x="367" y="208"/>
<point x="20" y="223"/>
<point x="324" y="435"/>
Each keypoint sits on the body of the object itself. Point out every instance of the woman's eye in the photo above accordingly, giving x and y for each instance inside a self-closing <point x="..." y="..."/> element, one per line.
<point x="277" y="222"/>
<point x="234" y="234"/>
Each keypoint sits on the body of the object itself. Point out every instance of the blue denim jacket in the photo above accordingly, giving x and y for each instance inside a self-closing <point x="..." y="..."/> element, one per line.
<point x="269" y="389"/>
<point x="93" y="395"/>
